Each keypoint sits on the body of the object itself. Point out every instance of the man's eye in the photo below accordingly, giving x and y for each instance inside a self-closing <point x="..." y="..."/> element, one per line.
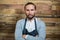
<point x="32" y="9"/>
<point x="27" y="10"/>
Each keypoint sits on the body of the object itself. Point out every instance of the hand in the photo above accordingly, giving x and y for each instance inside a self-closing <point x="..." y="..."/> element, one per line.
<point x="24" y="36"/>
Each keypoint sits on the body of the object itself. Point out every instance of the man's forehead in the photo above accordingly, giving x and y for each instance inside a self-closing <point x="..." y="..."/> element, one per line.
<point x="30" y="6"/>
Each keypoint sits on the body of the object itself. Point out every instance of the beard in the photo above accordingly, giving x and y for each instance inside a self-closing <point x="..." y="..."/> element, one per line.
<point x="30" y="16"/>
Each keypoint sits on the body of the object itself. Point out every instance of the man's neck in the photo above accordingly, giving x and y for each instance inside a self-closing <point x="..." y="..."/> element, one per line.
<point x="30" y="19"/>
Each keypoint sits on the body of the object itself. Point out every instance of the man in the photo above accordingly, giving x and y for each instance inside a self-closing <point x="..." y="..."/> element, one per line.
<point x="30" y="28"/>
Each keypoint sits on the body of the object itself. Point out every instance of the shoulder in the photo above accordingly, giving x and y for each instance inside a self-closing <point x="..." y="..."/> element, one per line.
<point x="40" y="22"/>
<point x="21" y="20"/>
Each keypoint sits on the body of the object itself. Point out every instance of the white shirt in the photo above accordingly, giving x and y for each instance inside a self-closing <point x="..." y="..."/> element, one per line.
<point x="30" y="25"/>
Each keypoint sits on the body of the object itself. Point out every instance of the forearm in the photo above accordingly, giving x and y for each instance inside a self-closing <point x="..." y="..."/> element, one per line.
<point x="29" y="37"/>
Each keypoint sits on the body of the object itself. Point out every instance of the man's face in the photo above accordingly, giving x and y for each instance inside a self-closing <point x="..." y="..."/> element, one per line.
<point x="30" y="11"/>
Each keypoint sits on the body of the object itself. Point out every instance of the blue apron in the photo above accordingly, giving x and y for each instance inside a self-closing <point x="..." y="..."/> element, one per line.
<point x="33" y="33"/>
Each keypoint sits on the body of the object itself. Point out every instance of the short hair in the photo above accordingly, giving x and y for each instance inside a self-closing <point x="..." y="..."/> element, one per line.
<point x="29" y="4"/>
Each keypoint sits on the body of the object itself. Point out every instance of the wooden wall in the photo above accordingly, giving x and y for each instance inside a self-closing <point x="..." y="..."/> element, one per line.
<point x="12" y="10"/>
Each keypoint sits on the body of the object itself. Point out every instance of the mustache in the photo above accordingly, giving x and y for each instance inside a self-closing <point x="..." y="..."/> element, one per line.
<point x="30" y="14"/>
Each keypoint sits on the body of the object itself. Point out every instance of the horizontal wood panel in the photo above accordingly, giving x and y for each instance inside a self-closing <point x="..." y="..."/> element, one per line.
<point x="53" y="30"/>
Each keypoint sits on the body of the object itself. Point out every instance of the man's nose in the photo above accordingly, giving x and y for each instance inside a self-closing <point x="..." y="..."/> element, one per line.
<point x="29" y="12"/>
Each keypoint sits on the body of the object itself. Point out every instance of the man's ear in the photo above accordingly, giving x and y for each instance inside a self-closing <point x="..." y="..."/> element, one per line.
<point x="35" y="12"/>
<point x="24" y="11"/>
